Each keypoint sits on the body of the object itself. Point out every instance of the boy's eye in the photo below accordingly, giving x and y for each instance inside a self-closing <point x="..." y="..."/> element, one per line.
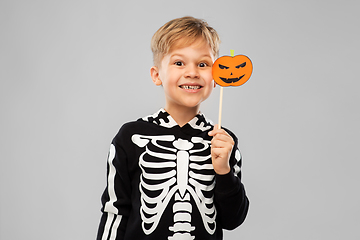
<point x="178" y="63"/>
<point x="202" y="64"/>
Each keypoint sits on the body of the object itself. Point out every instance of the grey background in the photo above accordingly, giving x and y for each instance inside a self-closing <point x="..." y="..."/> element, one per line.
<point x="72" y="72"/>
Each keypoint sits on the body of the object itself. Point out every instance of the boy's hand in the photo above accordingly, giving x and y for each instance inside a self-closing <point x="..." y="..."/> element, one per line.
<point x="221" y="147"/>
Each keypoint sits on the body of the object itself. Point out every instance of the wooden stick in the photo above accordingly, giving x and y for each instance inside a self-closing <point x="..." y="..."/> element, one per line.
<point x="220" y="106"/>
<point x="221" y="96"/>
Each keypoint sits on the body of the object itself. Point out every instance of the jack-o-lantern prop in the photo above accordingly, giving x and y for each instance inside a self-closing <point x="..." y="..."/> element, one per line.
<point x="232" y="71"/>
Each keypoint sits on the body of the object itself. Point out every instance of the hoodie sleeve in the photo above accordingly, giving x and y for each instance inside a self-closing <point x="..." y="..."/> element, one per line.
<point x="116" y="202"/>
<point x="230" y="197"/>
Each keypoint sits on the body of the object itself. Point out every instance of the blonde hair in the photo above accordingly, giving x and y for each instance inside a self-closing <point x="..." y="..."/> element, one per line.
<point x="181" y="32"/>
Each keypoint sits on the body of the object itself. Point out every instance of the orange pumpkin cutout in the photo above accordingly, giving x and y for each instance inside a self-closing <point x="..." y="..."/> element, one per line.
<point x="232" y="71"/>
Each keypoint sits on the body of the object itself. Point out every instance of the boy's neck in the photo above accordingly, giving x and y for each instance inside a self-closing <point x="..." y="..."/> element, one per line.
<point x="182" y="115"/>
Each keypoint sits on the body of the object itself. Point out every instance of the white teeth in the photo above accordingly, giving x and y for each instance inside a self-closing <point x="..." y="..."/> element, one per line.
<point x="190" y="87"/>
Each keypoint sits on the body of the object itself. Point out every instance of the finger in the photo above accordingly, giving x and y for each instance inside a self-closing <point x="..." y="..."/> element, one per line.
<point x="224" y="138"/>
<point x="220" y="145"/>
<point x="217" y="131"/>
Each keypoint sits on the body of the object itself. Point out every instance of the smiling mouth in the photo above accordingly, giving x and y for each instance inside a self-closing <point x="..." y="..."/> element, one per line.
<point x="190" y="87"/>
<point x="231" y="80"/>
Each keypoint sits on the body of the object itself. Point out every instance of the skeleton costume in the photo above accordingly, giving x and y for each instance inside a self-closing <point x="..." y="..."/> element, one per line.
<point x="161" y="183"/>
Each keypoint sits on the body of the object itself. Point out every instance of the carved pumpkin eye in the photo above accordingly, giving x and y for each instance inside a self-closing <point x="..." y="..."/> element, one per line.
<point x="223" y="67"/>
<point x="241" y="65"/>
<point x="232" y="71"/>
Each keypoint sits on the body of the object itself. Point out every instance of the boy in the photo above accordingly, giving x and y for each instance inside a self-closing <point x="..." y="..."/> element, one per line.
<point x="173" y="175"/>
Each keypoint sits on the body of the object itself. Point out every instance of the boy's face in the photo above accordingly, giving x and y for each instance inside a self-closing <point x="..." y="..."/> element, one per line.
<point x="186" y="76"/>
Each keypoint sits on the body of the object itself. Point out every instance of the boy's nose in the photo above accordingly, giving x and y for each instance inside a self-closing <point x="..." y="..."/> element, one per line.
<point x="192" y="72"/>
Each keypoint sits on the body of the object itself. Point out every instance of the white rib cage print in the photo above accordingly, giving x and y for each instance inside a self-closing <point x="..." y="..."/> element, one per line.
<point x="170" y="168"/>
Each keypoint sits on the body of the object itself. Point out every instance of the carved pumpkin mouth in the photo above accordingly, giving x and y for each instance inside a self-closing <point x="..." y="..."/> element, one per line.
<point x="231" y="80"/>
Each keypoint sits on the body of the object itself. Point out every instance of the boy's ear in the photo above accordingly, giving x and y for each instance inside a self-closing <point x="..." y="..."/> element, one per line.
<point x="154" y="72"/>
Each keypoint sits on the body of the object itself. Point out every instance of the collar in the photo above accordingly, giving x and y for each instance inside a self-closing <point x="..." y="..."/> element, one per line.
<point x="164" y="119"/>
